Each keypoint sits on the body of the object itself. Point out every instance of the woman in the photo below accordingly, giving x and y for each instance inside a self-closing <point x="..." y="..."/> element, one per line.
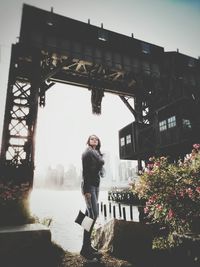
<point x="92" y="165"/>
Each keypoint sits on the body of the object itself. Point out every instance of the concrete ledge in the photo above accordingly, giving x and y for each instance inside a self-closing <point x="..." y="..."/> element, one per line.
<point x="22" y="242"/>
<point x="24" y="228"/>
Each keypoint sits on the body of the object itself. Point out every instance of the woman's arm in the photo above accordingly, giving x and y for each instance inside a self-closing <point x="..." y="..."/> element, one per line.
<point x="86" y="167"/>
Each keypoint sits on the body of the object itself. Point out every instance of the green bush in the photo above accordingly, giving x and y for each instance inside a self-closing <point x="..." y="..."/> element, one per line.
<point x="172" y="194"/>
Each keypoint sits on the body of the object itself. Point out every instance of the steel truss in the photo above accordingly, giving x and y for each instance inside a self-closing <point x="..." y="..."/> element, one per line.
<point x="32" y="73"/>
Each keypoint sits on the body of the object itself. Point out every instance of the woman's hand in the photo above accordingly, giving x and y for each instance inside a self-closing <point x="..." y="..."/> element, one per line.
<point x="87" y="196"/>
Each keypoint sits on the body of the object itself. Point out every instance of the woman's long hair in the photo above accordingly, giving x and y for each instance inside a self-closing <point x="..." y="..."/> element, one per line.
<point x="98" y="147"/>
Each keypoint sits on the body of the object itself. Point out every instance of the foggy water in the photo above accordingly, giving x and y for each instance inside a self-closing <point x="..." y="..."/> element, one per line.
<point x="63" y="207"/>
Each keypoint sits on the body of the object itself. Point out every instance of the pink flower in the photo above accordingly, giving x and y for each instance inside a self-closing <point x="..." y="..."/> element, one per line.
<point x="181" y="193"/>
<point x="189" y="191"/>
<point x="196" y="146"/>
<point x="146" y="209"/>
<point x="157" y="164"/>
<point x="198" y="189"/>
<point x="159" y="207"/>
<point x="170" y="214"/>
<point x="151" y="159"/>
<point x="152" y="199"/>
<point x="150" y="166"/>
<point x="149" y="172"/>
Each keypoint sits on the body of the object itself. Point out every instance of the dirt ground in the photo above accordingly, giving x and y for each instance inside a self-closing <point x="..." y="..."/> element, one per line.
<point x="54" y="256"/>
<point x="69" y="259"/>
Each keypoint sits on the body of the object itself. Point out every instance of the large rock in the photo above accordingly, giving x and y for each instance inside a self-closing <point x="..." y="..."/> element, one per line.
<point x="127" y="240"/>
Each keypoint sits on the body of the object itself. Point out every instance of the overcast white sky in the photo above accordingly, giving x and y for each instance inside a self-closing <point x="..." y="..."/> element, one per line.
<point x="66" y="121"/>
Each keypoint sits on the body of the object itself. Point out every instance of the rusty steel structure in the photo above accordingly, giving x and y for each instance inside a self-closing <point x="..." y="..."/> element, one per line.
<point x="55" y="49"/>
<point x="173" y="124"/>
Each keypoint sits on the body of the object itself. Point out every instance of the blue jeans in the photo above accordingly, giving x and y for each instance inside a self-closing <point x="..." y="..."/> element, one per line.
<point x="92" y="211"/>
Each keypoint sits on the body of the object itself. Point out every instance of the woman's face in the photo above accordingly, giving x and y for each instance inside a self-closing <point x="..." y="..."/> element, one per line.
<point x="93" y="141"/>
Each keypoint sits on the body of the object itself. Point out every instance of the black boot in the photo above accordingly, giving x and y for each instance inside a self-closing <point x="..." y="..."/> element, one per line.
<point x="95" y="252"/>
<point x="86" y="252"/>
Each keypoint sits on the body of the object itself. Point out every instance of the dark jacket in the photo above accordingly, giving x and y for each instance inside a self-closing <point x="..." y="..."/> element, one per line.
<point x="92" y="163"/>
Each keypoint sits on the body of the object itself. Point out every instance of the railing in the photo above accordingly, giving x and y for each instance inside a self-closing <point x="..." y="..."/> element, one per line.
<point x="124" y="196"/>
<point x="122" y="204"/>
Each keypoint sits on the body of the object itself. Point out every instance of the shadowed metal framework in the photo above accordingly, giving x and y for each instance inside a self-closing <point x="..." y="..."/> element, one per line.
<point x="173" y="125"/>
<point x="55" y="49"/>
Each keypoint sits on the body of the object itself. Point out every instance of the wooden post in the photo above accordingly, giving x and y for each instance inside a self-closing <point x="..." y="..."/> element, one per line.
<point x="139" y="165"/>
<point x="105" y="211"/>
<point x="114" y="212"/>
<point x="131" y="212"/>
<point x="120" y="211"/>
<point x="124" y="213"/>
<point x="101" y="206"/>
<point x="109" y="207"/>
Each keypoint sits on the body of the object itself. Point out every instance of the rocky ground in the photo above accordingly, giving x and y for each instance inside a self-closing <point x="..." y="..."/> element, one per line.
<point x="72" y="259"/>
<point x="55" y="256"/>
